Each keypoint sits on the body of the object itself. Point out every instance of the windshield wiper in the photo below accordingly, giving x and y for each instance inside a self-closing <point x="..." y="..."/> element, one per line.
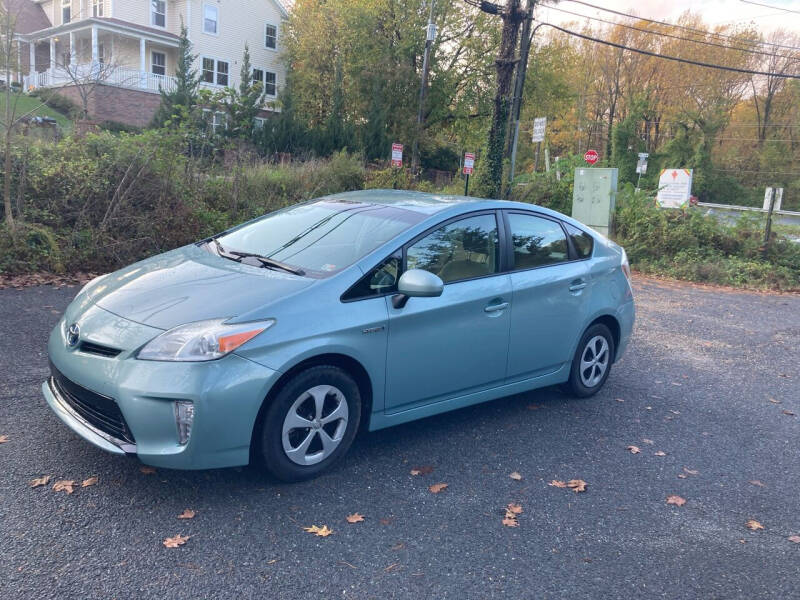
<point x="268" y="262"/>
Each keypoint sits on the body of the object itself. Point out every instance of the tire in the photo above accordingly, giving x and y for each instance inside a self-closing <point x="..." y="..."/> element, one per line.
<point x="596" y="341"/>
<point x="292" y="452"/>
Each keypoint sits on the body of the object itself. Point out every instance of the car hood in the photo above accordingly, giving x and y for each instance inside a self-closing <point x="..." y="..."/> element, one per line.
<point x="189" y="284"/>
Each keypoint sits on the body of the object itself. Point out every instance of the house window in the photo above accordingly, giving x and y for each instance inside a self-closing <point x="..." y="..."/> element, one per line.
<point x="97" y="8"/>
<point x="158" y="63"/>
<point x="217" y="119"/>
<point x="210" y="19"/>
<point x="270" y="85"/>
<point x="158" y="13"/>
<point x="271" y="36"/>
<point x="258" y="122"/>
<point x="66" y="11"/>
<point x="215" y="71"/>
<point x="258" y="76"/>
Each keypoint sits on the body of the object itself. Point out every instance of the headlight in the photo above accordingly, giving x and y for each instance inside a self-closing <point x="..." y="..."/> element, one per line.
<point x="201" y="341"/>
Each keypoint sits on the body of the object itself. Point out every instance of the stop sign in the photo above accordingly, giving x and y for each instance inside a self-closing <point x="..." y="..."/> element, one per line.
<point x="591" y="156"/>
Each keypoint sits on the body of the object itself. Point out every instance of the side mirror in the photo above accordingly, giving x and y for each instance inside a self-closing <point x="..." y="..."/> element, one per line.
<point x="417" y="283"/>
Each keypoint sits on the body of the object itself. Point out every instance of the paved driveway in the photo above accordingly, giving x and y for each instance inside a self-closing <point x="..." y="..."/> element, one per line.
<point x="706" y="380"/>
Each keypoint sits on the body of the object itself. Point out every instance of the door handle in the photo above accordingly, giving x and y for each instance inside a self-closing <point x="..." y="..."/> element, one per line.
<point x="577" y="285"/>
<point x="495" y="307"/>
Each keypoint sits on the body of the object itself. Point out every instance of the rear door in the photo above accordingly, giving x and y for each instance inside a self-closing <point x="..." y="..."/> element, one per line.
<point x="550" y="284"/>
<point x="455" y="344"/>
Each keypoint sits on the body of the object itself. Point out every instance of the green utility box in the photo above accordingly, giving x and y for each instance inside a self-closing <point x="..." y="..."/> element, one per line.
<point x="593" y="198"/>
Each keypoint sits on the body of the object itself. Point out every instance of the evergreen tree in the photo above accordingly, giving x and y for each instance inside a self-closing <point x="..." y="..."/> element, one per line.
<point x="375" y="141"/>
<point x="178" y="105"/>
<point x="243" y="104"/>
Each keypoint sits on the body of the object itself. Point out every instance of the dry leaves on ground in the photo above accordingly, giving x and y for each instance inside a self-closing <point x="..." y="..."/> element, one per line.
<point x="512" y="511"/>
<point x="437" y="487"/>
<point x="577" y="485"/>
<point x="354" y="518"/>
<point x="660" y="453"/>
<point x="757" y="482"/>
<point x="633" y="449"/>
<point x="174" y="542"/>
<point x="510" y="522"/>
<point x="422" y="470"/>
<point x="187" y="514"/>
<point x="774" y="401"/>
<point x="43" y="480"/>
<point x="794" y="538"/>
<point x="690" y="471"/>
<point x="676" y="500"/>
<point x="753" y="525"/>
<point x="516" y="476"/>
<point x="3" y="439"/>
<point x="64" y="485"/>
<point x="646" y="441"/>
<point x="147" y="470"/>
<point x="323" y="531"/>
<point x="788" y="412"/>
<point x="89" y="481"/>
<point x="558" y="484"/>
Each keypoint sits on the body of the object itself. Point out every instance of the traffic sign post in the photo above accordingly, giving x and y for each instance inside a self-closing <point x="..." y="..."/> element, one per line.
<point x="591" y="156"/>
<point x="539" y="130"/>
<point x="397" y="155"/>
<point x="641" y="167"/>
<point x="469" y="165"/>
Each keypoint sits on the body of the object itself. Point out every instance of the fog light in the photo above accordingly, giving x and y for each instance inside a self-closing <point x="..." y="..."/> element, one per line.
<point x="184" y="416"/>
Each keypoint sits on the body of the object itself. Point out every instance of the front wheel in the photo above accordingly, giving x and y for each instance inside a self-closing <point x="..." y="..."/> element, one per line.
<point x="310" y="423"/>
<point x="592" y="362"/>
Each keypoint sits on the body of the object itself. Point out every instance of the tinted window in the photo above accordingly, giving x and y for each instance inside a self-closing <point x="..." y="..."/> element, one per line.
<point x="537" y="242"/>
<point x="460" y="250"/>
<point x="582" y="241"/>
<point x="321" y="237"/>
<point x="381" y="280"/>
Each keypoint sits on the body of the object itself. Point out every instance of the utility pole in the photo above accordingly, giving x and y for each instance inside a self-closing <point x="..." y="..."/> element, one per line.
<point x="512" y="17"/>
<point x="430" y="35"/>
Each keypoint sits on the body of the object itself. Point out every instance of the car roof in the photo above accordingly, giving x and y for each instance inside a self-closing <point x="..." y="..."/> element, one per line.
<point x="420" y="202"/>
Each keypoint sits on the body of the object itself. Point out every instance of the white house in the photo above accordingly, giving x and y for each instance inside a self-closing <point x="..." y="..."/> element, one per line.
<point x="134" y="44"/>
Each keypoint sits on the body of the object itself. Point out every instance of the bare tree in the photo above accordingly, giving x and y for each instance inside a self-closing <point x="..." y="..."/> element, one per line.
<point x="86" y="78"/>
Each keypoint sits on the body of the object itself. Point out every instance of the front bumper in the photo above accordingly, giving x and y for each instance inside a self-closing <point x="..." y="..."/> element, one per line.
<point x="227" y="395"/>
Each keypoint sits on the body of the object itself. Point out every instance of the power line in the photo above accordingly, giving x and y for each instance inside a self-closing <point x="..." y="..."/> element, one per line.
<point x="686" y="27"/>
<point x="789" y="10"/>
<point x="672" y="58"/>
<point x="668" y="35"/>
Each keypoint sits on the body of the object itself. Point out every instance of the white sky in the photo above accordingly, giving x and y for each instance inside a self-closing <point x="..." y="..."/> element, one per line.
<point x="715" y="12"/>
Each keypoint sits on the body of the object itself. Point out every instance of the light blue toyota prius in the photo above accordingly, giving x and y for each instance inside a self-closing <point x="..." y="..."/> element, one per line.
<point x="277" y="340"/>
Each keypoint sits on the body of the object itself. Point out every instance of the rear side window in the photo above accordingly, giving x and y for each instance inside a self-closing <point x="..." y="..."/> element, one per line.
<point x="537" y="241"/>
<point x="582" y="241"/>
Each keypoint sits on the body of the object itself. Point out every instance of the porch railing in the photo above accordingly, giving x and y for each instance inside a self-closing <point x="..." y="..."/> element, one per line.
<point x="88" y="73"/>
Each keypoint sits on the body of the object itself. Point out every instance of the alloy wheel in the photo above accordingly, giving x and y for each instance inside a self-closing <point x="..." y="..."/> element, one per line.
<point x="315" y="425"/>
<point x="594" y="361"/>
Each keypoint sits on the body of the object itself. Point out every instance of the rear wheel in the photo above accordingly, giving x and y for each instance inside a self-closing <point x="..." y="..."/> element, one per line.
<point x="310" y="423"/>
<point x="592" y="362"/>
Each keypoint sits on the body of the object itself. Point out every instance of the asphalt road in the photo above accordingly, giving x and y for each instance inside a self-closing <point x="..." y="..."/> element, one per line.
<point x="696" y="381"/>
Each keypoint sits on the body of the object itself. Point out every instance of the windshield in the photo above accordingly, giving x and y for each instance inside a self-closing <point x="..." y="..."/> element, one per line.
<point x="321" y="237"/>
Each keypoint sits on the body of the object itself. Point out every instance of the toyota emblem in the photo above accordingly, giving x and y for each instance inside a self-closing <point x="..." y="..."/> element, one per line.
<point x="73" y="335"/>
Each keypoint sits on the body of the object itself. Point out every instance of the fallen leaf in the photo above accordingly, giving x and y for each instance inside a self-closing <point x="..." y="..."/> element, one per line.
<point x="392" y="567"/>
<point x="174" y="542"/>
<point x="676" y="500"/>
<point x="646" y="441"/>
<point x="64" y="485"/>
<point x="682" y="476"/>
<point x="147" y="470"/>
<point x="515" y="476"/>
<point x="421" y="470"/>
<point x="354" y="518"/>
<point x="187" y="513"/>
<point x="690" y="471"/>
<point x="510" y="522"/>
<point x="43" y="480"/>
<point x="577" y="485"/>
<point x="437" y="487"/>
<point x="753" y="525"/>
<point x="788" y="412"/>
<point x="398" y="546"/>
<point x="272" y="562"/>
<point x="90" y="481"/>
<point x="675" y="412"/>
<point x="514" y="509"/>
<point x="620" y="400"/>
<point x="774" y="401"/>
<point x="660" y="453"/>
<point x="757" y="482"/>
<point x="633" y="449"/>
<point x="3" y="439"/>
<point x="557" y="483"/>
<point x="319" y="531"/>
<point x="794" y="538"/>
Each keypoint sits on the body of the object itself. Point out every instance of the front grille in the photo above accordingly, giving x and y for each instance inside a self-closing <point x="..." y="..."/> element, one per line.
<point x="100" y="411"/>
<point x="92" y="348"/>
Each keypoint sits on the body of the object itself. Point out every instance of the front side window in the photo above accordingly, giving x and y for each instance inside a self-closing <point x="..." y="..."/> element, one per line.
<point x="270" y="85"/>
<point x="581" y="241"/>
<point x="158" y="13"/>
<point x="210" y="19"/>
<point x="97" y="8"/>
<point x="460" y="250"/>
<point x="322" y="237"/>
<point x="159" y="63"/>
<point x="381" y="280"/>
<point x="66" y="11"/>
<point x="271" y="36"/>
<point x="537" y="241"/>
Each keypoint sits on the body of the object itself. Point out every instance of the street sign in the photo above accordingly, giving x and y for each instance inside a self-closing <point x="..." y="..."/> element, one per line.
<point x="591" y="156"/>
<point x="674" y="188"/>
<point x="539" y="127"/>
<point x="397" y="155"/>
<point x="641" y="164"/>
<point x="469" y="163"/>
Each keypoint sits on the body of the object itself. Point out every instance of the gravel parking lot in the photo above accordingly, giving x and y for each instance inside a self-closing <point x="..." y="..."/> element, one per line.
<point x="709" y="392"/>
